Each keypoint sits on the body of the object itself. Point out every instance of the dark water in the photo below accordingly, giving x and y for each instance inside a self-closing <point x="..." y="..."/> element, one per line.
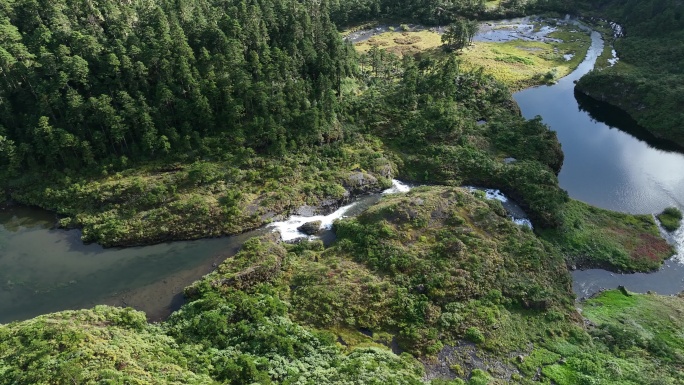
<point x="44" y="270"/>
<point x="613" y="163"/>
<point x="609" y="161"/>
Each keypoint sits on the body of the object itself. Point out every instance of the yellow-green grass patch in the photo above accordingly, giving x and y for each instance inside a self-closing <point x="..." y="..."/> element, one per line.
<point x="402" y="43"/>
<point x="521" y="64"/>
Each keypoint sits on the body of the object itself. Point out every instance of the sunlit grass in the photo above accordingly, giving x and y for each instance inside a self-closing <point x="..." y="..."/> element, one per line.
<point x="521" y="64"/>
<point x="402" y="43"/>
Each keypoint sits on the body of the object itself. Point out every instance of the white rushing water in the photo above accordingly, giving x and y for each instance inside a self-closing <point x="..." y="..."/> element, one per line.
<point x="397" y="187"/>
<point x="679" y="245"/>
<point x="676" y="239"/>
<point x="501" y="197"/>
<point x="612" y="61"/>
<point x="288" y="228"/>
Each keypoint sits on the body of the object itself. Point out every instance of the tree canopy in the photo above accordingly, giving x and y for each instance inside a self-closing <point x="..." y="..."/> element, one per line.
<point x="85" y="83"/>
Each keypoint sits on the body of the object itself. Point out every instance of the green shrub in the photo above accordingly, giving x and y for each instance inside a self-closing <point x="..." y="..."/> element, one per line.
<point x="670" y="218"/>
<point x="479" y="377"/>
<point x="474" y="334"/>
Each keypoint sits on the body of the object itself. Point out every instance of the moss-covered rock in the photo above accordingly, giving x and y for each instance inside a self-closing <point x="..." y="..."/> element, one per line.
<point x="310" y="228"/>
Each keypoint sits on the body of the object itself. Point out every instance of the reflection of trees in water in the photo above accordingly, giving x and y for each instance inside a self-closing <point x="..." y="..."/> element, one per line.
<point x="13" y="219"/>
<point x="614" y="117"/>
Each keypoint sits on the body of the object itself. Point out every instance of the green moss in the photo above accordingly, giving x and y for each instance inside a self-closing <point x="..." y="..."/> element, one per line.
<point x="474" y="334"/>
<point x="479" y="377"/>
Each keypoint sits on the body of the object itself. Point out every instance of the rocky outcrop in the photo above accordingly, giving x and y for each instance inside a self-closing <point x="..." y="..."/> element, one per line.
<point x="360" y="182"/>
<point x="310" y="228"/>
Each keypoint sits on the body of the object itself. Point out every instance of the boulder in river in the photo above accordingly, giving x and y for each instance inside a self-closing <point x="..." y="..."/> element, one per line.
<point x="310" y="228"/>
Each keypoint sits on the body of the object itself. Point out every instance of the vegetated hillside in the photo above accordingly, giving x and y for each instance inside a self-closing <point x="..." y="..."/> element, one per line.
<point x="440" y="272"/>
<point x="437" y="12"/>
<point x="647" y="81"/>
<point x="311" y="122"/>
<point x="87" y="84"/>
<point x="155" y="121"/>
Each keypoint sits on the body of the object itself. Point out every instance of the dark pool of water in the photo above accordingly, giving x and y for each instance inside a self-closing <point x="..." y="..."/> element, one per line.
<point x="43" y="270"/>
<point x="613" y="163"/>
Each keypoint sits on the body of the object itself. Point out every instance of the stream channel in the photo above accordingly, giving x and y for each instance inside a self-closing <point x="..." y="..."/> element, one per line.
<point x="610" y="162"/>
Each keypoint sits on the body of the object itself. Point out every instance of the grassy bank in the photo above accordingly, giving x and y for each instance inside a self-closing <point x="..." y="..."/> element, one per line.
<point x="592" y="237"/>
<point x="161" y="202"/>
<point x="440" y="273"/>
<point x="519" y="63"/>
<point x="523" y="64"/>
<point x="402" y="43"/>
<point x="670" y="218"/>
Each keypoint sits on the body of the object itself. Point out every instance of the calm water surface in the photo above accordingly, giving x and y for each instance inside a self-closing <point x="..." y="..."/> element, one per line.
<point x="605" y="165"/>
<point x="611" y="162"/>
<point x="44" y="270"/>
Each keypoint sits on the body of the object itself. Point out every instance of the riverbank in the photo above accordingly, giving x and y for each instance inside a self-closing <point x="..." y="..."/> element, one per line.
<point x="439" y="272"/>
<point x="646" y="81"/>
<point x="590" y="237"/>
<point x="157" y="203"/>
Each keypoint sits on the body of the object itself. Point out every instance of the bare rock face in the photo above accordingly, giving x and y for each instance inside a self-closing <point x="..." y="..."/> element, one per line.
<point x="306" y="211"/>
<point x="310" y="228"/>
<point x="361" y="182"/>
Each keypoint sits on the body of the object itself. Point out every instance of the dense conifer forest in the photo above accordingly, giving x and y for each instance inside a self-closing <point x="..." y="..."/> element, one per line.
<point x="143" y="121"/>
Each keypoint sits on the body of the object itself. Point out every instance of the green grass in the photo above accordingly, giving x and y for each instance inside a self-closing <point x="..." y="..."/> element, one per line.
<point x="519" y="64"/>
<point x="590" y="237"/>
<point x="670" y="218"/>
<point x="632" y="339"/>
<point x="402" y="43"/>
<point x="522" y="64"/>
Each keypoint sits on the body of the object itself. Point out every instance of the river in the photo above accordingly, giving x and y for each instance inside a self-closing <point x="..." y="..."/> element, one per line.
<point x="611" y="162"/>
<point x="43" y="270"/>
